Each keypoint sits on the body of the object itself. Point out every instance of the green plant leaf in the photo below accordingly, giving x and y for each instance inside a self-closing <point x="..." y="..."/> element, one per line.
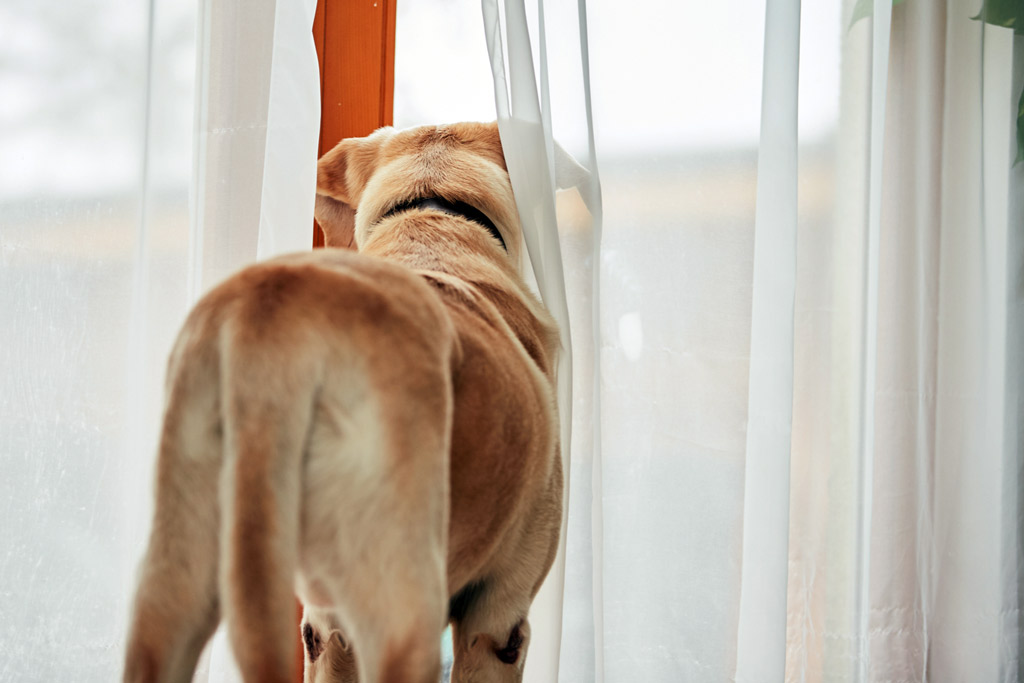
<point x="865" y="8"/>
<point x="1005" y="13"/>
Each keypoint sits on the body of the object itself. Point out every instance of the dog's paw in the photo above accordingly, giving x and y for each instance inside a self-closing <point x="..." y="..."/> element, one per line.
<point x="509" y="654"/>
<point x="314" y="643"/>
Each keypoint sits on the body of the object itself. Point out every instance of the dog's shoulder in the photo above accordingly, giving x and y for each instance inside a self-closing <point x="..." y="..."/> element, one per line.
<point x="502" y="310"/>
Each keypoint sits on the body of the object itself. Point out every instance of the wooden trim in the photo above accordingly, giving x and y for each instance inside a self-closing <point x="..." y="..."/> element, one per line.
<point x="355" y="45"/>
<point x="355" y="41"/>
<point x="387" y="89"/>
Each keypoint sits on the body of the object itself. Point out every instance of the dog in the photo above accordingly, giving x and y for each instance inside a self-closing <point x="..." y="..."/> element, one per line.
<point x="374" y="430"/>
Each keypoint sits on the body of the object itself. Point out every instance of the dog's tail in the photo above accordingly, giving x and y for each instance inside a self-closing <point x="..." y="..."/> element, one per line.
<point x="267" y="401"/>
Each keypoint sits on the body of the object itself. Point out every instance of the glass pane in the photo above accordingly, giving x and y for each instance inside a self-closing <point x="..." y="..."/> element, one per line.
<point x="92" y="283"/>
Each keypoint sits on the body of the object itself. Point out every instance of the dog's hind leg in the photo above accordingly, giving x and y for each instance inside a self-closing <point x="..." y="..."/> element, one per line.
<point x="268" y="397"/>
<point x="490" y="629"/>
<point x="176" y="606"/>
<point x="376" y="519"/>
<point x="391" y="592"/>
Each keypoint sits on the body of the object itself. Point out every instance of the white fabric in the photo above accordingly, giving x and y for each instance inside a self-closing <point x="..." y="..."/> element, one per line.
<point x="257" y="133"/>
<point x="905" y="549"/>
<point x="902" y="547"/>
<point x="94" y="213"/>
<point x="538" y="166"/>
<point x="99" y="266"/>
<point x="880" y="26"/>
<point x="257" y="123"/>
<point x="904" y="501"/>
<point x="761" y="631"/>
<point x="1011" y="548"/>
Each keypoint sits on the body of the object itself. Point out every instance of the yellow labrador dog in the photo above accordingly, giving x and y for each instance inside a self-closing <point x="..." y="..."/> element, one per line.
<point x="374" y="430"/>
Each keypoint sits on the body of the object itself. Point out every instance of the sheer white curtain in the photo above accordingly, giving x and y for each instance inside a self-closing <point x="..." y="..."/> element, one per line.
<point x="95" y="131"/>
<point x="895" y="336"/>
<point x="133" y="176"/>
<point x="539" y="168"/>
<point x="254" y="180"/>
<point x="807" y="461"/>
<point x="649" y="589"/>
<point x="257" y="128"/>
<point x="905" y="553"/>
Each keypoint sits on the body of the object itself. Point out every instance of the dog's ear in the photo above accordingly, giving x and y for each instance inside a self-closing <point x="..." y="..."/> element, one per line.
<point x="343" y="172"/>
<point x="341" y="177"/>
<point x="337" y="220"/>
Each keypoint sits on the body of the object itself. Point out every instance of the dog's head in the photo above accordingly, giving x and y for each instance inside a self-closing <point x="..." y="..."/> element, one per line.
<point x="462" y="162"/>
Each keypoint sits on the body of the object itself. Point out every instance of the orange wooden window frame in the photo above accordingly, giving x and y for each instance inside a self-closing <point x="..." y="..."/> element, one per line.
<point x="355" y="43"/>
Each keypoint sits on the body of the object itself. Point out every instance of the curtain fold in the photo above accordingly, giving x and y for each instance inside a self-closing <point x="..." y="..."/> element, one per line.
<point x="966" y="631"/>
<point x="891" y="335"/>
<point x="910" y="576"/>
<point x="256" y="133"/>
<point x="525" y="147"/>
<point x="257" y="123"/>
<point x="1011" y="646"/>
<point x="93" y="263"/>
<point x="761" y="632"/>
<point x="559" y="202"/>
<point x="881" y="25"/>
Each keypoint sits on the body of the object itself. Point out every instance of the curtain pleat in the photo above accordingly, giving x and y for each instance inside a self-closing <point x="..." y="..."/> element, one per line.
<point x="912" y="575"/>
<point x="257" y="121"/>
<point x="256" y="133"/>
<point x="1011" y="556"/>
<point x="761" y="631"/>
<point x="523" y="140"/>
<point x="539" y="168"/>
<point x="881" y="25"/>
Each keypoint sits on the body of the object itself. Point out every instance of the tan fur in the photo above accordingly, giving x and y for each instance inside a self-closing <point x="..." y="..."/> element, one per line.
<point x="374" y="430"/>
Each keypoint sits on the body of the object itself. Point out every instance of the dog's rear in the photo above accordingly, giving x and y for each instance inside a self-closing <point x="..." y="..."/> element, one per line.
<point x="273" y="392"/>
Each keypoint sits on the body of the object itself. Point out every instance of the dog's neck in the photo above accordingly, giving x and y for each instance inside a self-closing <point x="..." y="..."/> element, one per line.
<point x="431" y="243"/>
<point x="467" y="211"/>
<point x="431" y="240"/>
